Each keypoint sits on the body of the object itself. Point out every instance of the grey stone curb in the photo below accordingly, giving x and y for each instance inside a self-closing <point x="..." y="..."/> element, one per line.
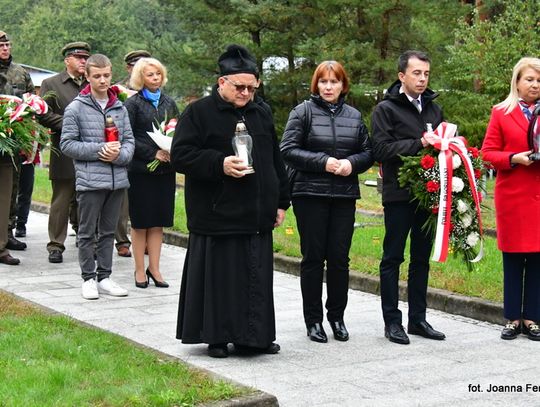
<point x="438" y="299"/>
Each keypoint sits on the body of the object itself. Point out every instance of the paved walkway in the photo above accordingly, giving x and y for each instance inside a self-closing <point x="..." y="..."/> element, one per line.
<point x="366" y="371"/>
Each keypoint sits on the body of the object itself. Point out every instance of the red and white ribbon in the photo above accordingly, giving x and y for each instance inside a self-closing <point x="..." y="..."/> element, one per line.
<point x="33" y="102"/>
<point x="444" y="139"/>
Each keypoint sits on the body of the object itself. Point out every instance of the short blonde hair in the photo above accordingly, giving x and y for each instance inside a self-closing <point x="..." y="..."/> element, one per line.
<point x="136" y="81"/>
<point x="97" y="61"/>
<point x="512" y="99"/>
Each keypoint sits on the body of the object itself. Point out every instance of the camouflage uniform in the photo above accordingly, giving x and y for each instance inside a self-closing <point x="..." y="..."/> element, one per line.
<point x="17" y="77"/>
<point x="20" y="83"/>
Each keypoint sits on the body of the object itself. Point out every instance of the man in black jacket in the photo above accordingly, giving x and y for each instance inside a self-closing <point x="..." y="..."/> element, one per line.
<point x="227" y="282"/>
<point x="398" y="124"/>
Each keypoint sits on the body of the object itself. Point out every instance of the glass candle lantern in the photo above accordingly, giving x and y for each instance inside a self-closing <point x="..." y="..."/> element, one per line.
<point x="242" y="145"/>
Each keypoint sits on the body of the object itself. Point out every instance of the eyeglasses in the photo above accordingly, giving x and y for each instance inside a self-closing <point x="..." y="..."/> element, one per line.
<point x="5" y="45"/>
<point x="241" y="87"/>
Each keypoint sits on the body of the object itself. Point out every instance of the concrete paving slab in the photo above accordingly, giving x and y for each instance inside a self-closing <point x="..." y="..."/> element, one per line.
<point x="365" y="371"/>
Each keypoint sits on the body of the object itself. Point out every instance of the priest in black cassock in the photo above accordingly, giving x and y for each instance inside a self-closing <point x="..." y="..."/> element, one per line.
<point x="227" y="283"/>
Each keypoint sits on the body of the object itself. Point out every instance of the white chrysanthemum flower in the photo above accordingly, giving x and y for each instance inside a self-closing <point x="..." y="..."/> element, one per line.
<point x="473" y="239"/>
<point x="462" y="206"/>
<point x="466" y="220"/>
<point x="457" y="184"/>
<point x="456" y="161"/>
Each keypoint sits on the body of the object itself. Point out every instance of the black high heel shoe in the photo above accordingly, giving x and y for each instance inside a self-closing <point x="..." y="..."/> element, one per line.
<point x="144" y="284"/>
<point x="157" y="283"/>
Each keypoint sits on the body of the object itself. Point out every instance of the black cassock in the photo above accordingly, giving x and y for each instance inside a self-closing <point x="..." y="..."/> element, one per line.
<point x="227" y="291"/>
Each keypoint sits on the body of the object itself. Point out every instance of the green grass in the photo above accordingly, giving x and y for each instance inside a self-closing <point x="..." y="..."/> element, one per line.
<point x="366" y="250"/>
<point x="51" y="360"/>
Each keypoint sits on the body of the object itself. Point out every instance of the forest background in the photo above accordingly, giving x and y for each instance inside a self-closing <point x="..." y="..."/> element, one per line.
<point x="473" y="44"/>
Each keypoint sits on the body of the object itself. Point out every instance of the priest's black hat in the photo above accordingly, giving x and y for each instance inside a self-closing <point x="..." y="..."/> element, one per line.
<point x="237" y="59"/>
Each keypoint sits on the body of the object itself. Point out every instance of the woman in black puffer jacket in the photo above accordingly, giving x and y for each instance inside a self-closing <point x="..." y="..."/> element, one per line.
<point x="325" y="145"/>
<point x="151" y="194"/>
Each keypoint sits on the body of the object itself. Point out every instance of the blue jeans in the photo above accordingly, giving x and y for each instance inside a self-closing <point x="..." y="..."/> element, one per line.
<point x="400" y="220"/>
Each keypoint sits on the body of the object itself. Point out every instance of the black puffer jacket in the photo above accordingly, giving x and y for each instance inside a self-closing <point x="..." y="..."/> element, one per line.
<point x="340" y="134"/>
<point x="142" y="114"/>
<point x="396" y="129"/>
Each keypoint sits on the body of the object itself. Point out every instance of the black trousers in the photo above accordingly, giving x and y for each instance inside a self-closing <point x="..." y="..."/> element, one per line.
<point x="326" y="227"/>
<point x="521" y="286"/>
<point x="400" y="219"/>
<point x="14" y="193"/>
<point x="24" y="198"/>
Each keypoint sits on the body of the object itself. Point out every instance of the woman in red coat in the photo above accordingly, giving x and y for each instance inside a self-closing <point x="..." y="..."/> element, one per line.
<point x="517" y="199"/>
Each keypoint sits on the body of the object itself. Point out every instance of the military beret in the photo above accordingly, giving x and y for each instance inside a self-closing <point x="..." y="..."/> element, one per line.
<point x="4" y="37"/>
<point x="134" y="56"/>
<point x="237" y="59"/>
<point x="76" y="48"/>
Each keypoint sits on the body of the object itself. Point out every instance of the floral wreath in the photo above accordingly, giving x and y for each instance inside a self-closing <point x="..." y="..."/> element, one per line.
<point x="20" y="133"/>
<point x="444" y="179"/>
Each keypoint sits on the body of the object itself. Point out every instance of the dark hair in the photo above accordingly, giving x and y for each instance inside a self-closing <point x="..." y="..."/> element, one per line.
<point x="403" y="60"/>
<point x="329" y="66"/>
<point x="97" y="61"/>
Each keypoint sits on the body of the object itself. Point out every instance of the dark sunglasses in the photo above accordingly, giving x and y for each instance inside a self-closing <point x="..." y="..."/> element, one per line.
<point x="240" y="87"/>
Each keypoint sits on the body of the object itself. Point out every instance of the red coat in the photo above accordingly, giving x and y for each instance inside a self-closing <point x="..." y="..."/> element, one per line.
<point x="517" y="189"/>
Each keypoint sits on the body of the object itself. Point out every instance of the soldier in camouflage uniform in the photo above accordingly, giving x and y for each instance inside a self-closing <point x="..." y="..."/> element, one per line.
<point x="20" y="83"/>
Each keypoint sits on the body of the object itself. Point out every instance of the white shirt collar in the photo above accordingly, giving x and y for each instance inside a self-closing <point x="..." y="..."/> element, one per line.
<point x="419" y="98"/>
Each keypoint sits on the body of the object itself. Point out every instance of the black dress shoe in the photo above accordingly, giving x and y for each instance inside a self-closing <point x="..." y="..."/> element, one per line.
<point x="20" y="232"/>
<point x="395" y="333"/>
<point x="340" y="331"/>
<point x="532" y="331"/>
<point x="9" y="260"/>
<point x="14" y="244"/>
<point x="218" y="350"/>
<point x="510" y="330"/>
<point x="55" y="256"/>
<point x="271" y="349"/>
<point x="423" y="328"/>
<point x="316" y="333"/>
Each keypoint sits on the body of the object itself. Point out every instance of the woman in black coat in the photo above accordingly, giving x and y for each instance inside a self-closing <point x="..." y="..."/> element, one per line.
<point x="325" y="145"/>
<point x="151" y="193"/>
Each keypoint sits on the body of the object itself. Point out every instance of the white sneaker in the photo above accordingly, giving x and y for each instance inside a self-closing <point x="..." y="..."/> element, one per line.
<point x="107" y="286"/>
<point x="90" y="290"/>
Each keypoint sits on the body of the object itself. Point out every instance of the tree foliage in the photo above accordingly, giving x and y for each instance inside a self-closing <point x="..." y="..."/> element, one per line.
<point x="479" y="66"/>
<point x="472" y="50"/>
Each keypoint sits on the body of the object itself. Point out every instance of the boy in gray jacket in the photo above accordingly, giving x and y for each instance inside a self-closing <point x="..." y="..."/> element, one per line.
<point x="101" y="173"/>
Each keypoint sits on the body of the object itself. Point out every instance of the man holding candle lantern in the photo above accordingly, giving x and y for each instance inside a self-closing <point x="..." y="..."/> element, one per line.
<point x="227" y="294"/>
